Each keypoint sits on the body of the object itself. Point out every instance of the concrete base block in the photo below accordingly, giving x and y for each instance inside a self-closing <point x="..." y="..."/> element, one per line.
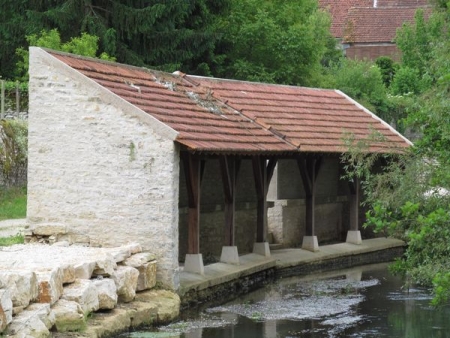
<point x="310" y="243"/>
<point x="262" y="248"/>
<point x="354" y="237"/>
<point x="194" y="263"/>
<point x="229" y="255"/>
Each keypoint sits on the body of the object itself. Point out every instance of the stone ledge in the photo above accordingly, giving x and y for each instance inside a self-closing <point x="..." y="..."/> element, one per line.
<point x="151" y="307"/>
<point x="88" y="278"/>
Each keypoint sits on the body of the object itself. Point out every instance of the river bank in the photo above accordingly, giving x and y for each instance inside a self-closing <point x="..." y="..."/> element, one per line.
<point x="55" y="290"/>
<point x="224" y="281"/>
<point x="69" y="291"/>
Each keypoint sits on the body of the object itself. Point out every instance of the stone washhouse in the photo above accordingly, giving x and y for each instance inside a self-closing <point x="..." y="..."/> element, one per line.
<point x="192" y="168"/>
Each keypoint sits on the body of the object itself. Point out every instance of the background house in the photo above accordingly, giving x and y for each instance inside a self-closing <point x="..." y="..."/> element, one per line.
<point x="366" y="29"/>
<point x="182" y="164"/>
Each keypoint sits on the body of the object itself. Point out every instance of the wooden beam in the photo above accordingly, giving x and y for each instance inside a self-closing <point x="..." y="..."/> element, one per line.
<point x="260" y="175"/>
<point x="354" y="201"/>
<point x="309" y="169"/>
<point x="229" y="168"/>
<point x="193" y="168"/>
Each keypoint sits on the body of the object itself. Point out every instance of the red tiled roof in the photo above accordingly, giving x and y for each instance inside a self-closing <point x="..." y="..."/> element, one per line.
<point x="352" y="14"/>
<point x="338" y="10"/>
<point x="217" y="115"/>
<point x="376" y="24"/>
<point x="402" y="3"/>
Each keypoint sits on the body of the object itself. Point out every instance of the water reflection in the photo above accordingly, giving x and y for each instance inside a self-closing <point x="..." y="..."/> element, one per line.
<point x="360" y="302"/>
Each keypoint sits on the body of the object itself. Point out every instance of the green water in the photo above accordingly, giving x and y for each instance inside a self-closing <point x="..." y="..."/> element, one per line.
<point x="361" y="302"/>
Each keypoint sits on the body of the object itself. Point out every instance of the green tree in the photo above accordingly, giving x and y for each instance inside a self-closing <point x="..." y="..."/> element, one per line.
<point x="86" y="45"/>
<point x="362" y="81"/>
<point x="416" y="40"/>
<point x="410" y="197"/>
<point x="13" y="28"/>
<point x="407" y="80"/>
<point x="387" y="67"/>
<point x="273" y="41"/>
<point x="166" y="34"/>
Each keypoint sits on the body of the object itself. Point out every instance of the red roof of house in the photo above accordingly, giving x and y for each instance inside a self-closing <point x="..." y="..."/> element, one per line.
<point x="376" y="24"/>
<point x="359" y="19"/>
<point x="402" y="3"/>
<point x="338" y="11"/>
<point x="227" y="116"/>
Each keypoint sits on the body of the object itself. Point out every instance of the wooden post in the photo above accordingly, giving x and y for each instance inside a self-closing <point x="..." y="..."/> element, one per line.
<point x="262" y="175"/>
<point x="17" y="99"/>
<point x="354" y="203"/>
<point x="193" y="173"/>
<point x="353" y="234"/>
<point x="309" y="169"/>
<point x="2" y="109"/>
<point x="229" y="168"/>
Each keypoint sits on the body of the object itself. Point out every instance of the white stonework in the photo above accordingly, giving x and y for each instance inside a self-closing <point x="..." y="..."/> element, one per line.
<point x="68" y="316"/>
<point x="126" y="279"/>
<point x="83" y="292"/>
<point x="50" y="285"/>
<point x="22" y="286"/>
<point x="107" y="293"/>
<point x="100" y="166"/>
<point x="6" y="309"/>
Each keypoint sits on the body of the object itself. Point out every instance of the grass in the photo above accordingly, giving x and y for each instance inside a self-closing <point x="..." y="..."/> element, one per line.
<point x="11" y="240"/>
<point x="13" y="203"/>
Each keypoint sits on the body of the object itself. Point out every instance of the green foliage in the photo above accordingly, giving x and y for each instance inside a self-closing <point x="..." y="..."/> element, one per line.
<point x="13" y="150"/>
<point x="406" y="81"/>
<point x="441" y="285"/>
<point x="362" y="81"/>
<point x="86" y="45"/>
<point x="13" y="203"/>
<point x="432" y="118"/>
<point x="416" y="40"/>
<point x="13" y="28"/>
<point x="164" y="34"/>
<point x="387" y="69"/>
<point x="273" y="41"/>
<point x="11" y="240"/>
<point x="399" y="108"/>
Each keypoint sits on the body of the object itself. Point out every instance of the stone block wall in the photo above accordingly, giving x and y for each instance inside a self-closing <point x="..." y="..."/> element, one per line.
<point x="99" y="166"/>
<point x="286" y="219"/>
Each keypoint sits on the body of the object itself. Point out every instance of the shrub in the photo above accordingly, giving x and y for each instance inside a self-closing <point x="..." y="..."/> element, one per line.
<point x="13" y="151"/>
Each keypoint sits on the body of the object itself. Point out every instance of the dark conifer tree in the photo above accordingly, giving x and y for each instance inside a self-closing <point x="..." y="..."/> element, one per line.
<point x="167" y="34"/>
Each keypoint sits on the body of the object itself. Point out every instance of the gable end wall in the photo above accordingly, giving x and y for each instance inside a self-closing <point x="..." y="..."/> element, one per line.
<point x="104" y="173"/>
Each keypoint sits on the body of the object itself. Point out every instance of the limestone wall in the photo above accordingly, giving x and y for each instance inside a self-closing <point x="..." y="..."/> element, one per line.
<point x="99" y="166"/>
<point x="286" y="219"/>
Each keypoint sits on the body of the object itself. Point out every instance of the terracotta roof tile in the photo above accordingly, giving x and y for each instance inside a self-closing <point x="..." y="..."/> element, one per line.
<point x="217" y="115"/>
<point x="382" y="21"/>
<point x="376" y="24"/>
<point x="338" y="10"/>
